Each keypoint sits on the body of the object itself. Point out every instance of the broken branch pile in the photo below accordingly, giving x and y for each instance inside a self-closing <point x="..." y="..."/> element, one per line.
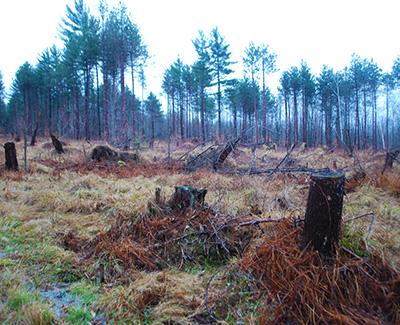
<point x="212" y="157"/>
<point x="165" y="236"/>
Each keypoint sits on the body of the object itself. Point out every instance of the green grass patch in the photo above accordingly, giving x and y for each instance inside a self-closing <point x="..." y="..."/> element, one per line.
<point x="80" y="315"/>
<point x="87" y="292"/>
<point x="354" y="241"/>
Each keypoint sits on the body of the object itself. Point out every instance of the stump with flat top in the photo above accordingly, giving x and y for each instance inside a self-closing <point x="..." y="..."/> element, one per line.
<point x="57" y="144"/>
<point x="187" y="197"/>
<point x="324" y="211"/>
<point x="11" y="156"/>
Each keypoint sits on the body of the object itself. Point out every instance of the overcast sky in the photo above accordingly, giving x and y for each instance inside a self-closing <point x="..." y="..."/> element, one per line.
<point x="317" y="31"/>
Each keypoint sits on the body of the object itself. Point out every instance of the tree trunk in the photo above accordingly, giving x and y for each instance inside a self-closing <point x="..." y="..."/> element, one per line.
<point x="387" y="119"/>
<point x="98" y="102"/>
<point x="202" y="116"/>
<point x="11" y="156"/>
<point x="296" y="118"/>
<point x="124" y="135"/>
<point x="324" y="211"/>
<point x="87" y="94"/>
<point x="105" y="106"/>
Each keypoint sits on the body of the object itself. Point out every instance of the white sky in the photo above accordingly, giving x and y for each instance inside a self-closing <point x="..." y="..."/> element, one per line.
<point x="318" y="31"/>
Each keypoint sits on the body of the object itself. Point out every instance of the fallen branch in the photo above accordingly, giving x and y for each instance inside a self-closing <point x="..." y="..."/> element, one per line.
<point x="286" y="156"/>
<point x="258" y="221"/>
<point x="304" y="170"/>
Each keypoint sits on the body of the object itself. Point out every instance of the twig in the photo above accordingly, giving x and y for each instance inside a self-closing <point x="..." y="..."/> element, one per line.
<point x="206" y="297"/>
<point x="222" y="242"/>
<point x="369" y="230"/>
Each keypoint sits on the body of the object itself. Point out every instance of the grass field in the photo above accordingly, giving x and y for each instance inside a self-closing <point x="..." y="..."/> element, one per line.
<point x="84" y="242"/>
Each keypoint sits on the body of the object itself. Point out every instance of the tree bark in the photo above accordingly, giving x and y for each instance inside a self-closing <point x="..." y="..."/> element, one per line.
<point x="11" y="156"/>
<point x="324" y="211"/>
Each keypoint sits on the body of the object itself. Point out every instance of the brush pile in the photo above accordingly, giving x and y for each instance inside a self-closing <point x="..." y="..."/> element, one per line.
<point x="165" y="236"/>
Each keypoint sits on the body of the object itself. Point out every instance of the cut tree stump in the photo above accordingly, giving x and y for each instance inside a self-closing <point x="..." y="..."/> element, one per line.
<point x="33" y="139"/>
<point x="187" y="197"/>
<point x="391" y="156"/>
<point x="57" y="144"/>
<point x="324" y="211"/>
<point x="11" y="156"/>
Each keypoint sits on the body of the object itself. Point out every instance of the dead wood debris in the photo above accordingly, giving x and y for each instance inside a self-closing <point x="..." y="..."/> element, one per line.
<point x="163" y="237"/>
<point x="212" y="157"/>
<point x="105" y="153"/>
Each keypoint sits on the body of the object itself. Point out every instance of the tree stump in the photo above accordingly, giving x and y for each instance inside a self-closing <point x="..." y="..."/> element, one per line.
<point x="11" y="156"/>
<point x="389" y="159"/>
<point x="187" y="197"/>
<point x="324" y="211"/>
<point x="57" y="144"/>
<point x="33" y="139"/>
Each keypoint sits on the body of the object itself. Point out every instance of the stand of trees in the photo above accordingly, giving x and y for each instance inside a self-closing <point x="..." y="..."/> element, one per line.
<point x="86" y="90"/>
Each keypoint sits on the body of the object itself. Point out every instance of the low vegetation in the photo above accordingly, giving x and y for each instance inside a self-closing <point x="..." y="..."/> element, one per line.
<point x="86" y="241"/>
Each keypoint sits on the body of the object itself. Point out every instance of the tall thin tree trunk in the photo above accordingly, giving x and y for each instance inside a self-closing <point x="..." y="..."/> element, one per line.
<point x="105" y="106"/>
<point x="124" y="133"/>
<point x="87" y="94"/>
<point x="365" y="119"/>
<point x="98" y="101"/>
<point x="296" y="118"/>
<point x="387" y="119"/>
<point x="133" y="102"/>
<point x="202" y="116"/>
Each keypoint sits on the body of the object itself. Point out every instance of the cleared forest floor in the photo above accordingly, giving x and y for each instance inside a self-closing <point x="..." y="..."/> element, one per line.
<point x="86" y="242"/>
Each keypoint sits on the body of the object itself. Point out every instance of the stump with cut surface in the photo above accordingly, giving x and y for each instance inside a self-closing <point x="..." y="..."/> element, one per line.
<point x="57" y="144"/>
<point x="187" y="197"/>
<point x="324" y="211"/>
<point x="11" y="156"/>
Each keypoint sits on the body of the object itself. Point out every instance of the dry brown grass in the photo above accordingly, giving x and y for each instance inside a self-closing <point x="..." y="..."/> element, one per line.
<point x="72" y="202"/>
<point x="305" y="289"/>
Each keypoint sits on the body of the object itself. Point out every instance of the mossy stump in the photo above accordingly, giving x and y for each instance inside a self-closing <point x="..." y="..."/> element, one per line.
<point x="324" y="211"/>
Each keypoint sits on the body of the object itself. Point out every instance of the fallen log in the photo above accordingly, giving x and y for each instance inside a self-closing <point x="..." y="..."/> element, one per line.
<point x="304" y="170"/>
